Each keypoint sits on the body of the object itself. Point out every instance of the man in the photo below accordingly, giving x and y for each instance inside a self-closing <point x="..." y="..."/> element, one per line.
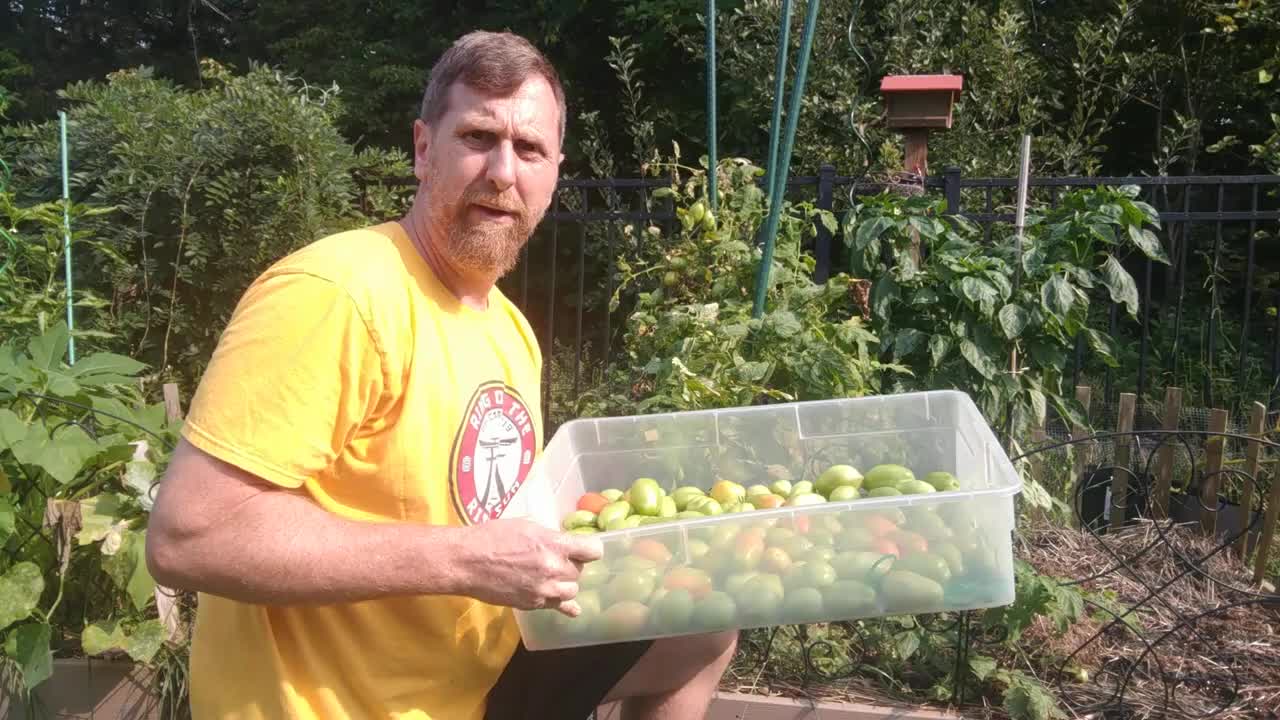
<point x="369" y="413"/>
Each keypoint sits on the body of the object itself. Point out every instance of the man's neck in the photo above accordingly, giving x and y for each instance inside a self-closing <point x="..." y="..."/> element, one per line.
<point x="469" y="289"/>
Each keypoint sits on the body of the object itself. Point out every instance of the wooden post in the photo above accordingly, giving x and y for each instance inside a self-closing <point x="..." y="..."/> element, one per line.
<point x="172" y="402"/>
<point x="1212" y="467"/>
<point x="1084" y="451"/>
<point x="1269" y="522"/>
<point x="1120" y="471"/>
<point x="1164" y="464"/>
<point x="1256" y="418"/>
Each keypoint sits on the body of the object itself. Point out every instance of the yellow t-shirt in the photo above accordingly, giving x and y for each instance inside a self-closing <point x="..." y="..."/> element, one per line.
<point x="348" y="370"/>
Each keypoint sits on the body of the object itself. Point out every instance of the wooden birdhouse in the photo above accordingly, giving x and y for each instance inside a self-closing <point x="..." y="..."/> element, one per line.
<point x="917" y="104"/>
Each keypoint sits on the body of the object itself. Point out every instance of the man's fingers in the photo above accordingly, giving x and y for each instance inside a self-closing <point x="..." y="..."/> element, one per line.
<point x="583" y="548"/>
<point x="570" y="608"/>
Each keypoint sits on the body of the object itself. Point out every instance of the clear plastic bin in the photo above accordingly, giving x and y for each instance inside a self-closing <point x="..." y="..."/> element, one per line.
<point x="836" y="560"/>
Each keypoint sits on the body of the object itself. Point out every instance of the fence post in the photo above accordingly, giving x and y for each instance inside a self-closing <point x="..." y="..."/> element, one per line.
<point x="951" y="187"/>
<point x="822" y="243"/>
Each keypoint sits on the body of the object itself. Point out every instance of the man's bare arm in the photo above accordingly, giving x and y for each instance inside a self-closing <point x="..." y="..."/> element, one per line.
<point x="219" y="530"/>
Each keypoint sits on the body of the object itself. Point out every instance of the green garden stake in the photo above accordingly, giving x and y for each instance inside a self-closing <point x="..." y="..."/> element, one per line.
<point x="778" y="180"/>
<point x="66" y="238"/>
<point x="712" y="166"/>
<point x="779" y="70"/>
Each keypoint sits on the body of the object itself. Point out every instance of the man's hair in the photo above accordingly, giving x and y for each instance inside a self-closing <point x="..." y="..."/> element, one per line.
<point x="490" y="62"/>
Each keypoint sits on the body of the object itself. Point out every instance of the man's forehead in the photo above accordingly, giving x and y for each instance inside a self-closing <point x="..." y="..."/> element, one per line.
<point x="532" y="104"/>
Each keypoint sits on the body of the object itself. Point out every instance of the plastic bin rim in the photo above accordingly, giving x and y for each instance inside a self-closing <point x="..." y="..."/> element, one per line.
<point x="741" y="409"/>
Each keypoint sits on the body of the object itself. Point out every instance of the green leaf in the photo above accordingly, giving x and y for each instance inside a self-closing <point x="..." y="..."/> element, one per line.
<point x="7" y="520"/>
<point x="871" y="230"/>
<point x="103" y="636"/>
<point x="939" y="346"/>
<point x="1264" y="76"/>
<point x="62" y="456"/>
<point x="62" y="385"/>
<point x="12" y="429"/>
<point x="1057" y="295"/>
<point x="1028" y="700"/>
<point x="29" y="646"/>
<point x="925" y="297"/>
<point x="1033" y="261"/>
<point x="20" y="590"/>
<point x="883" y="295"/>
<point x="753" y="371"/>
<point x="1103" y="345"/>
<point x="783" y="322"/>
<point x="978" y="359"/>
<point x="828" y="221"/>
<point x="906" y="644"/>
<point x="98" y="514"/>
<point x="982" y="666"/>
<point x="128" y="568"/>
<point x="1148" y="243"/>
<point x="1039" y="407"/>
<point x="47" y="350"/>
<point x="145" y="640"/>
<point x="906" y="341"/>
<point x="979" y="292"/>
<point x="1013" y="320"/>
<point x="1121" y="285"/>
<point x="105" y="363"/>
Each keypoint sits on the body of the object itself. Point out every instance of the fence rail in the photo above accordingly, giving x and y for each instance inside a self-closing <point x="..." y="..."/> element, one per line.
<point x="1207" y="323"/>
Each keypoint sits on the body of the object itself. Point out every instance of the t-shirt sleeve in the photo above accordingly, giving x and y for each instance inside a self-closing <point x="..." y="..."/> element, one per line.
<point x="295" y="376"/>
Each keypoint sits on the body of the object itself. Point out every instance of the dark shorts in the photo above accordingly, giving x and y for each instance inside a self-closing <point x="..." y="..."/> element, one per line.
<point x="565" y="684"/>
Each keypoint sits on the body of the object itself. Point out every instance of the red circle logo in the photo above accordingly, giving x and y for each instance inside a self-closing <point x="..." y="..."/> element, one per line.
<point x="493" y="452"/>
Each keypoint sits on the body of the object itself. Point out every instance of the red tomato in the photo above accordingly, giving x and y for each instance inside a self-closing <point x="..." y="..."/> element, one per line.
<point x="592" y="502"/>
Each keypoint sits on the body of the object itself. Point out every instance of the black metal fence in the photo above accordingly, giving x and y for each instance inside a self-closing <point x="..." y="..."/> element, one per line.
<point x="1208" y="321"/>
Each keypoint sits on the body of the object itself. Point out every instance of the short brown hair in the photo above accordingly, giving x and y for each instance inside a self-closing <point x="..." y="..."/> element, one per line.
<point x="489" y="62"/>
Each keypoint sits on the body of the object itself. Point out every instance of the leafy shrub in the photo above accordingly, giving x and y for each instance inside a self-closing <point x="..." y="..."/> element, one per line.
<point x="79" y="454"/>
<point x="692" y="341"/>
<point x="206" y="188"/>
<point x="957" y="315"/>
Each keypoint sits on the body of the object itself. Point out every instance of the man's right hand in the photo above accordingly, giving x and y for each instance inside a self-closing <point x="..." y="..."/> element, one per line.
<point x="518" y="563"/>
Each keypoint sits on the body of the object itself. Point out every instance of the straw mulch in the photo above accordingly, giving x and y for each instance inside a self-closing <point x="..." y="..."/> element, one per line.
<point x="1207" y="645"/>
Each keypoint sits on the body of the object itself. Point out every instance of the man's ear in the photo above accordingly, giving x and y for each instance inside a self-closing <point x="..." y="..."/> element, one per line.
<point x="421" y="148"/>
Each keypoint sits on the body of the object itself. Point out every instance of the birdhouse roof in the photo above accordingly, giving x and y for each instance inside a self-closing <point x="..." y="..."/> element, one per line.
<point x="921" y="83"/>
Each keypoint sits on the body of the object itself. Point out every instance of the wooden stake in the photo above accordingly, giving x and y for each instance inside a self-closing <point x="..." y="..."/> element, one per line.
<point x="1084" y="451"/>
<point x="1120" y="473"/>
<point x="1212" y="467"/>
<point x="1256" y="417"/>
<point x="166" y="598"/>
<point x="1268" y="523"/>
<point x="1164" y="464"/>
<point x="172" y="402"/>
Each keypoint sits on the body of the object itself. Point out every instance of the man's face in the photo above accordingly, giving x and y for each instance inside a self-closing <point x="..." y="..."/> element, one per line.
<point x="490" y="167"/>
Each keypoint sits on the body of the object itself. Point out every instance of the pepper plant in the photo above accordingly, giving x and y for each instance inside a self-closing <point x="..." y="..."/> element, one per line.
<point x="960" y="315"/>
<point x="79" y="454"/>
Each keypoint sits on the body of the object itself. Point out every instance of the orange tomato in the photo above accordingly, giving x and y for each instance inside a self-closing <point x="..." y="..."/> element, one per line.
<point x="768" y="502"/>
<point x="879" y="525"/>
<point x="908" y="542"/>
<point x="695" y="581"/>
<point x="802" y="524"/>
<point x="592" y="502"/>
<point x="885" y="547"/>
<point x="651" y="549"/>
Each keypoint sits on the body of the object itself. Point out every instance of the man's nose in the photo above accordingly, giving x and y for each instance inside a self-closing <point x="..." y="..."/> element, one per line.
<point x="502" y="167"/>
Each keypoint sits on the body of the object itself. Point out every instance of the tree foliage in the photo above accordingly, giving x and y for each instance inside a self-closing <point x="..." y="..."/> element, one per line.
<point x="196" y="191"/>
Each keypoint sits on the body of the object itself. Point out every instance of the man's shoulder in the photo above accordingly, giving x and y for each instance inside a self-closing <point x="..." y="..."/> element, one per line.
<point x="357" y="260"/>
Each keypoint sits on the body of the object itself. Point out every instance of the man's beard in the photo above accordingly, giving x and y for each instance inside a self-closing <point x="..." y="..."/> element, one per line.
<point x="486" y="247"/>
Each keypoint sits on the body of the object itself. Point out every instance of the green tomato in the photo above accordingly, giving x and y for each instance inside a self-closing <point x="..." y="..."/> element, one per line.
<point x="579" y="518"/>
<point x="838" y="476"/>
<point x="613" y="513"/>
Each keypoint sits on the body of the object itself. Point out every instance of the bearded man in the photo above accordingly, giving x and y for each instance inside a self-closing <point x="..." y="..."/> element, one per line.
<point x="372" y="408"/>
